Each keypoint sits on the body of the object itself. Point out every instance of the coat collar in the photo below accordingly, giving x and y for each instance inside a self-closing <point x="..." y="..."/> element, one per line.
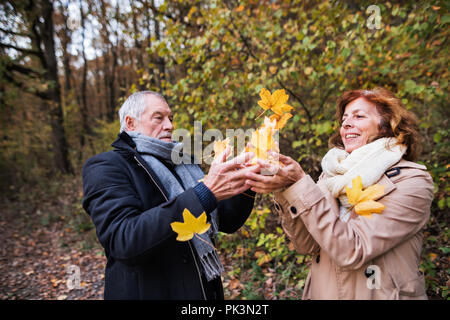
<point x="409" y="164"/>
<point x="124" y="141"/>
<point x="388" y="183"/>
<point x="126" y="147"/>
<point x="389" y="186"/>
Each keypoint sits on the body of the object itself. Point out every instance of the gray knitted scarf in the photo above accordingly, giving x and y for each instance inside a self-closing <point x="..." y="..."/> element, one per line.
<point x="154" y="151"/>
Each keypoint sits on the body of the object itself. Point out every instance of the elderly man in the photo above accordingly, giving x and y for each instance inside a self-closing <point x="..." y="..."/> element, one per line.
<point x="136" y="191"/>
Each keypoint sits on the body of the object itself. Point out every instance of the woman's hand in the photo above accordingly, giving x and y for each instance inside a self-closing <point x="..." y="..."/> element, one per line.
<point x="280" y="176"/>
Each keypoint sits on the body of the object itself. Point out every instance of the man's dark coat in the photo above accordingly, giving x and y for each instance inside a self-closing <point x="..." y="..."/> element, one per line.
<point x="129" y="206"/>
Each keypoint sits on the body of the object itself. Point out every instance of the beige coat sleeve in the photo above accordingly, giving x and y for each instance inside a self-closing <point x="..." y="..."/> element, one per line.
<point x="294" y="228"/>
<point x="354" y="243"/>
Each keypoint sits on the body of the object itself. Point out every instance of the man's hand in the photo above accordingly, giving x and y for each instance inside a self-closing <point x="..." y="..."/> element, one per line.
<point x="283" y="176"/>
<point x="227" y="178"/>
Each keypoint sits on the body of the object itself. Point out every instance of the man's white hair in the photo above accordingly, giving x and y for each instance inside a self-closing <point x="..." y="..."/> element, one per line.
<point x="135" y="106"/>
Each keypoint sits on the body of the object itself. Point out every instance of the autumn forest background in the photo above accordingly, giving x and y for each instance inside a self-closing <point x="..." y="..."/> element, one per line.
<point x="66" y="66"/>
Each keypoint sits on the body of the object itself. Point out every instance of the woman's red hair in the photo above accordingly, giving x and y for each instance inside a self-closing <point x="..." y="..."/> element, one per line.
<point x="396" y="120"/>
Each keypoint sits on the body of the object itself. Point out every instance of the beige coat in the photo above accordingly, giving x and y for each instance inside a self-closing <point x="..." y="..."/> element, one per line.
<point x="390" y="242"/>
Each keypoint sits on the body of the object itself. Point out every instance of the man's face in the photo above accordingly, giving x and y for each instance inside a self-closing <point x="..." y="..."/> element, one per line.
<point x="156" y="120"/>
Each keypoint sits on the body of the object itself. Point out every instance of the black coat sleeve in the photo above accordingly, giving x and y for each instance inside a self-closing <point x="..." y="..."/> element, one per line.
<point x="234" y="212"/>
<point x="125" y="229"/>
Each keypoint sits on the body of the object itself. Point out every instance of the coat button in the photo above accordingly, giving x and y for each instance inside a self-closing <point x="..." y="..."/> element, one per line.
<point x="277" y="207"/>
<point x="318" y="258"/>
<point x="368" y="273"/>
<point x="293" y="209"/>
<point x="184" y="258"/>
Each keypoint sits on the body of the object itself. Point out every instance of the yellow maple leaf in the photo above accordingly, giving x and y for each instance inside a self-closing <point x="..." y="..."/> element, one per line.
<point x="281" y="121"/>
<point x="363" y="201"/>
<point x="354" y="192"/>
<point x="275" y="102"/>
<point x="190" y="226"/>
<point x="372" y="192"/>
<point x="266" y="99"/>
<point x="282" y="109"/>
<point x="220" y="146"/>
<point x="368" y="207"/>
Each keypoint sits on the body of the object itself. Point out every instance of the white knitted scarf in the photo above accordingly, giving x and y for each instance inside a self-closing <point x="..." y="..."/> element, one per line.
<point x="369" y="161"/>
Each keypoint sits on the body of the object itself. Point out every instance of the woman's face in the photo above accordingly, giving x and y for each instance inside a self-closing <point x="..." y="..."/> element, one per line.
<point x="360" y="123"/>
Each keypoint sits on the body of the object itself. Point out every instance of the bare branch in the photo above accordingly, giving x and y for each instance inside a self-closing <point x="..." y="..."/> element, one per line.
<point x="323" y="100"/>
<point x="20" y="34"/>
<point x="296" y="97"/>
<point x="23" y="70"/>
<point x="23" y="50"/>
<point x="22" y="86"/>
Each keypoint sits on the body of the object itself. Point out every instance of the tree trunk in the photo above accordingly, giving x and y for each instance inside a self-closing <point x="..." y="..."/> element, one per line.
<point x="53" y="104"/>
<point x="109" y="70"/>
<point x="160" y="60"/>
<point x="83" y="107"/>
<point x="65" y="37"/>
<point x="137" y="44"/>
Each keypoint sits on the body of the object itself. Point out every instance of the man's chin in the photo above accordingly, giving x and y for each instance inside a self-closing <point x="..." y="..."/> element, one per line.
<point x="166" y="139"/>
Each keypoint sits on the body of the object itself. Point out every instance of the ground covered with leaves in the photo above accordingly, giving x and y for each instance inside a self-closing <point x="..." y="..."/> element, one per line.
<point x="45" y="235"/>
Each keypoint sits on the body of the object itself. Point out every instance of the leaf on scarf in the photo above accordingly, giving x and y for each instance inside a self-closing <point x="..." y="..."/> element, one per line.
<point x="363" y="201"/>
<point x="368" y="207"/>
<point x="372" y="192"/>
<point x="354" y="192"/>
<point x="190" y="226"/>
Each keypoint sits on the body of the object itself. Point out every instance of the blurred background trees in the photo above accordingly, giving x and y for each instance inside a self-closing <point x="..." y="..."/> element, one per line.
<point x="67" y="65"/>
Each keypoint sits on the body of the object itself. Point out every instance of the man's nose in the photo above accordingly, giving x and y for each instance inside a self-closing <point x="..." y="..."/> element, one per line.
<point x="168" y="126"/>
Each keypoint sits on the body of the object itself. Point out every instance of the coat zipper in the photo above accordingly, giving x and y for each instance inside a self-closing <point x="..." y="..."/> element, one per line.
<point x="190" y="246"/>
<point x="151" y="177"/>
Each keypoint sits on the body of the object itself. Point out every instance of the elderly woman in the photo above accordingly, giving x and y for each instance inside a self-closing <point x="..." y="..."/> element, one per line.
<point x="356" y="256"/>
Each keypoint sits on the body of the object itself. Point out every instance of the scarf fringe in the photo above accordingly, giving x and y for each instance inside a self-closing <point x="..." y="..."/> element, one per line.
<point x="212" y="266"/>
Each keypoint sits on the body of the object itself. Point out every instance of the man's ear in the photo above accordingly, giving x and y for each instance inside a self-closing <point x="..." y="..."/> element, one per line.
<point x="130" y="123"/>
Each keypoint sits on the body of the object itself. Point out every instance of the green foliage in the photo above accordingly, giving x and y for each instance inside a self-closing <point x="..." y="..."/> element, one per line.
<point x="105" y="133"/>
<point x="434" y="262"/>
<point x="217" y="56"/>
<point x="222" y="55"/>
<point x="264" y="262"/>
<point x="24" y="155"/>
